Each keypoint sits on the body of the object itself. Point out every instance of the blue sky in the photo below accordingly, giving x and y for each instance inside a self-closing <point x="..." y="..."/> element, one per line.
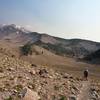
<point x="63" y="18"/>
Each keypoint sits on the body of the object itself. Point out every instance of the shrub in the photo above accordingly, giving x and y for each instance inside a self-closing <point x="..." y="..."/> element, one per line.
<point x="26" y="49"/>
<point x="63" y="98"/>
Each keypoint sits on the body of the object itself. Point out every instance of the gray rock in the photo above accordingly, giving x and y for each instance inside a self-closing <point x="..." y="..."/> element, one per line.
<point x="28" y="94"/>
<point x="72" y="97"/>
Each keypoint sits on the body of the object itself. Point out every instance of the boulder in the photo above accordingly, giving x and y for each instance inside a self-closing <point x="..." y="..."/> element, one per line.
<point x="32" y="72"/>
<point x="28" y="94"/>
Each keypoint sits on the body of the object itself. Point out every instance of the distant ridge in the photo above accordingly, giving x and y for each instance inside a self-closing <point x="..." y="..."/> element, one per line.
<point x="77" y="48"/>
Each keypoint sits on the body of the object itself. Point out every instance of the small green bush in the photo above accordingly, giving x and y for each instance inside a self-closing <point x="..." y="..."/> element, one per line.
<point x="26" y="49"/>
<point x="10" y="98"/>
<point x="63" y="98"/>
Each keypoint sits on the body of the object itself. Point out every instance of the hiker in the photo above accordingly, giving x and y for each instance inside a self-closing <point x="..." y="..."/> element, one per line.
<point x="86" y="74"/>
<point x="42" y="52"/>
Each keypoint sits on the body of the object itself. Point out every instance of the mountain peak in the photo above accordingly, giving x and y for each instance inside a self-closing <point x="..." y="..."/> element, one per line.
<point x="14" y="27"/>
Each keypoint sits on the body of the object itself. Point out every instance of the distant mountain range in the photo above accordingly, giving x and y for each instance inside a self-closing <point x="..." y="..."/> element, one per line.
<point x="76" y="48"/>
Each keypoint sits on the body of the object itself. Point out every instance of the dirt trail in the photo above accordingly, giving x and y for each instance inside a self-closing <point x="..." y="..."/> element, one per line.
<point x="85" y="91"/>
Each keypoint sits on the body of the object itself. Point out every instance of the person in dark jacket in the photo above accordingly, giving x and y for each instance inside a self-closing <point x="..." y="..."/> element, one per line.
<point x="86" y="74"/>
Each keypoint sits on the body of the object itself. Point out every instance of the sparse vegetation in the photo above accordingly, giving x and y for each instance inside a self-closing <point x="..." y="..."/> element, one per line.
<point x="26" y="49"/>
<point x="10" y="98"/>
<point x="56" y="87"/>
<point x="57" y="48"/>
<point x="63" y="98"/>
<point x="18" y="87"/>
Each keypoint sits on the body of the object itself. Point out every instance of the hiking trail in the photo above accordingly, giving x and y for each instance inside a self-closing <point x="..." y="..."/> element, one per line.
<point x="85" y="91"/>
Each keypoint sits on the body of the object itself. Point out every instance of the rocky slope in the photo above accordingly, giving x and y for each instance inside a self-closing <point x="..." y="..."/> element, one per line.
<point x="16" y="76"/>
<point x="20" y="80"/>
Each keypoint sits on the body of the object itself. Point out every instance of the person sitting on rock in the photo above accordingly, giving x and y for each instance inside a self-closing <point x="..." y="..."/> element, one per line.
<point x="86" y="74"/>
